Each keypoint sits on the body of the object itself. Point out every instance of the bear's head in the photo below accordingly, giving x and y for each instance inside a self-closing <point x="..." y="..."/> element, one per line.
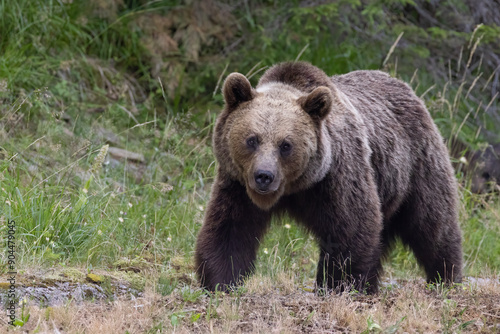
<point x="272" y="138"/>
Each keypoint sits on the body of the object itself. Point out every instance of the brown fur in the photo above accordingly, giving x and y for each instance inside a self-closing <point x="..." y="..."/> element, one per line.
<point x="484" y="166"/>
<point x="481" y="168"/>
<point x="356" y="158"/>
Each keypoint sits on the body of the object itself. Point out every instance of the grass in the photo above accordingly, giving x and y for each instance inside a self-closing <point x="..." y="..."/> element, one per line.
<point x="79" y="207"/>
<point x="275" y="304"/>
<point x="76" y="210"/>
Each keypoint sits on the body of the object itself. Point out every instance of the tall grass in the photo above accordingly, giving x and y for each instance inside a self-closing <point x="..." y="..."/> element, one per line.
<point x="76" y="82"/>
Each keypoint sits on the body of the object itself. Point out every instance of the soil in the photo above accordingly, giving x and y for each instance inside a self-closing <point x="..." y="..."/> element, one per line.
<point x="113" y="302"/>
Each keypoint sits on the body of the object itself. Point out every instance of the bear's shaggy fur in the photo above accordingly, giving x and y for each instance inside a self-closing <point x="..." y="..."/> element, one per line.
<point x="481" y="167"/>
<point x="355" y="158"/>
<point x="484" y="168"/>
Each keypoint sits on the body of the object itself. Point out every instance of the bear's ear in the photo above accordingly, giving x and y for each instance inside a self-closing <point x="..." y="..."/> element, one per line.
<point x="318" y="103"/>
<point x="237" y="89"/>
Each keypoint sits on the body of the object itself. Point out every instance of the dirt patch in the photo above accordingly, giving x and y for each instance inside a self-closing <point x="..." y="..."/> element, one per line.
<point x="75" y="306"/>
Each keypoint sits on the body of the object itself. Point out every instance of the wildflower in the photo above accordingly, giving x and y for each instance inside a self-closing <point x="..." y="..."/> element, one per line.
<point x="99" y="159"/>
<point x="463" y="160"/>
<point x="85" y="190"/>
<point x="287" y="226"/>
<point x="47" y="238"/>
<point x="99" y="232"/>
<point x="120" y="219"/>
<point x="130" y="205"/>
<point x="7" y="202"/>
<point x="121" y="213"/>
<point x="265" y="251"/>
<point x="169" y="239"/>
<point x="143" y="216"/>
<point x="165" y="187"/>
<point x="3" y="85"/>
<point x="55" y="147"/>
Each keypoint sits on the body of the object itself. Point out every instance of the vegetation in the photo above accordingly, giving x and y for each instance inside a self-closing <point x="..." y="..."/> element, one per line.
<point x="79" y="79"/>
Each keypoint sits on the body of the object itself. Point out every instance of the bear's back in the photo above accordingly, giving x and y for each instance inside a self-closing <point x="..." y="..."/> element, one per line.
<point x="399" y="128"/>
<point x="378" y="96"/>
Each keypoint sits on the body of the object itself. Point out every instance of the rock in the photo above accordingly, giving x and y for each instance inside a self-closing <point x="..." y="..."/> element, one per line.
<point x="119" y="153"/>
<point x="96" y="110"/>
<point x="68" y="132"/>
<point x="107" y="136"/>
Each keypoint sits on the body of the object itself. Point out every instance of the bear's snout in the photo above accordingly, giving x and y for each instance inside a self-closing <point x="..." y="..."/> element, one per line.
<point x="263" y="179"/>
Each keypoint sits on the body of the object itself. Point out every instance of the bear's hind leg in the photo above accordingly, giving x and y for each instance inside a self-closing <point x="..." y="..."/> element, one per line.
<point x="429" y="225"/>
<point x="339" y="272"/>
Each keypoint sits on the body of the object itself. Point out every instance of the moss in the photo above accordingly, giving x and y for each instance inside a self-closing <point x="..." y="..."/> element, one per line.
<point x="135" y="280"/>
<point x="135" y="265"/>
<point x="95" y="278"/>
<point x="73" y="274"/>
<point x="4" y="285"/>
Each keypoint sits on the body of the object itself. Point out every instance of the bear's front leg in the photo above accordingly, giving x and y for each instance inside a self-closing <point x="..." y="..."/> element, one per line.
<point x="227" y="243"/>
<point x="341" y="268"/>
<point x="344" y="214"/>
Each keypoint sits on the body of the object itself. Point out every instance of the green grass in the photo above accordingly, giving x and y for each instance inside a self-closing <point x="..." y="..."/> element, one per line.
<point x="74" y="214"/>
<point x="76" y="76"/>
<point x="67" y="74"/>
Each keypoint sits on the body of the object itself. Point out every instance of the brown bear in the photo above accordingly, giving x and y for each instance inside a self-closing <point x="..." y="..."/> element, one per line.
<point x="355" y="158"/>
<point x="484" y="166"/>
<point x="481" y="168"/>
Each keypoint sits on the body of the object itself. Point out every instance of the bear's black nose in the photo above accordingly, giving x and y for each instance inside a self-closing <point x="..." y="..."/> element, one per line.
<point x="263" y="179"/>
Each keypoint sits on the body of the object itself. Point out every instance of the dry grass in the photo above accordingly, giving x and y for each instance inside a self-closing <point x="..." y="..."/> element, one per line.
<point x="282" y="306"/>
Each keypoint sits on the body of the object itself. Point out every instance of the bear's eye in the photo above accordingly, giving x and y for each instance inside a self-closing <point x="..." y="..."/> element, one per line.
<point x="285" y="148"/>
<point x="486" y="175"/>
<point x="252" y="142"/>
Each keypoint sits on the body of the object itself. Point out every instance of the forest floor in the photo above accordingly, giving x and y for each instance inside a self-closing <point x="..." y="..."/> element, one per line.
<point x="138" y="300"/>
